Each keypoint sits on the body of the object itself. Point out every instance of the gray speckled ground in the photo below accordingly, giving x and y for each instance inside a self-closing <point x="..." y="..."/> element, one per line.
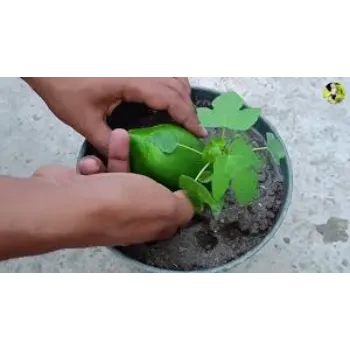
<point x="317" y="134"/>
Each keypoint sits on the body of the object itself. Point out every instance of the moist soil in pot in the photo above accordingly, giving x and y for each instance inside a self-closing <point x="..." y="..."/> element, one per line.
<point x="204" y="244"/>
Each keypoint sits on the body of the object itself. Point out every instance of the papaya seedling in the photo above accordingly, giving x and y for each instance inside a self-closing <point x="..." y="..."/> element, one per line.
<point x="207" y="171"/>
<point x="232" y="161"/>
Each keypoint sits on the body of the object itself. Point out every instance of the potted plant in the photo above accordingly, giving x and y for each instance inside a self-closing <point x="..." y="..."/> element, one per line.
<point x="238" y="179"/>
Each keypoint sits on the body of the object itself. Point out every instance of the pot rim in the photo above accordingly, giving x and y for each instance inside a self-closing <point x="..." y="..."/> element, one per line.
<point x="233" y="263"/>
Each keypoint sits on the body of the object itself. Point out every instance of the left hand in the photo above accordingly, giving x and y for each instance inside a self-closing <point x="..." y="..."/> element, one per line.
<point x="85" y="103"/>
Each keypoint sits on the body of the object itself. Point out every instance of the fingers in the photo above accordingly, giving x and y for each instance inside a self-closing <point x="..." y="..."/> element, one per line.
<point x="182" y="109"/>
<point x="90" y="165"/>
<point x="165" y="234"/>
<point x="184" y="208"/>
<point x="99" y="136"/>
<point x="171" y="94"/>
<point x="118" y="157"/>
<point x="179" y="86"/>
<point x="182" y="215"/>
<point x="186" y="84"/>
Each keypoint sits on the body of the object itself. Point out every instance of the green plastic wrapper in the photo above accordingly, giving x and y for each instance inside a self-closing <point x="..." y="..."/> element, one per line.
<point x="164" y="153"/>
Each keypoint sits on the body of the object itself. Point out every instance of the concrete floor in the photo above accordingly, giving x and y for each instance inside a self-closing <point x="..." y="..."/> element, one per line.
<point x="317" y="135"/>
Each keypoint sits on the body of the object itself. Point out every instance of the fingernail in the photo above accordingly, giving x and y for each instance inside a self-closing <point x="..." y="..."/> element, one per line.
<point x="88" y="166"/>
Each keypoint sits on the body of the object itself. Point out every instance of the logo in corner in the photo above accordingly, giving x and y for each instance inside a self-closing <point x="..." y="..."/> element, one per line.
<point x="334" y="93"/>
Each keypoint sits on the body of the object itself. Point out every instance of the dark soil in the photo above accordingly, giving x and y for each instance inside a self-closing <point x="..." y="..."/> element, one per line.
<point x="202" y="244"/>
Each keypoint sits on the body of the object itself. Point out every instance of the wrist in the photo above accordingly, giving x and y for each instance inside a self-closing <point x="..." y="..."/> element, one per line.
<point x="39" y="85"/>
<point x="37" y="217"/>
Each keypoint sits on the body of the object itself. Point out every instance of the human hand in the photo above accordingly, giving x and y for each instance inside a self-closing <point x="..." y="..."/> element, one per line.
<point x="113" y="209"/>
<point x="84" y="103"/>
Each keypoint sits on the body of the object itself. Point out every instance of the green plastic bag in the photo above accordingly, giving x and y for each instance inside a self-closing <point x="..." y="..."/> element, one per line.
<point x="164" y="153"/>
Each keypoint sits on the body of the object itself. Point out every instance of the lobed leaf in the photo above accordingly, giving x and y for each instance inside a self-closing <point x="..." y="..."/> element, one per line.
<point x="213" y="149"/>
<point x="245" y="186"/>
<point x="196" y="192"/>
<point x="275" y="147"/>
<point x="242" y="120"/>
<point x="207" y="118"/>
<point x="165" y="141"/>
<point x="242" y="156"/>
<point x="242" y="167"/>
<point x="227" y="102"/>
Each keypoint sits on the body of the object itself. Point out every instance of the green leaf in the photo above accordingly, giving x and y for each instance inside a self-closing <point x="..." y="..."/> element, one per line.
<point x="207" y="118"/>
<point x="227" y="113"/>
<point x="245" y="186"/>
<point x="242" y="156"/>
<point x="220" y="180"/>
<point x="198" y="205"/>
<point x="224" y="105"/>
<point x="206" y="177"/>
<point x="196" y="192"/>
<point x="213" y="149"/>
<point x="275" y="147"/>
<point x="242" y="120"/>
<point x="165" y="141"/>
<point x="227" y="103"/>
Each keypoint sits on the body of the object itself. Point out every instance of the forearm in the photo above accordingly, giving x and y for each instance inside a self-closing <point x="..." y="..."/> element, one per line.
<point x="39" y="85"/>
<point x="35" y="217"/>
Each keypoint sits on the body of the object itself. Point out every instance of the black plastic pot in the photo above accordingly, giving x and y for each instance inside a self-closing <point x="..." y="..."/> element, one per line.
<point x="127" y="116"/>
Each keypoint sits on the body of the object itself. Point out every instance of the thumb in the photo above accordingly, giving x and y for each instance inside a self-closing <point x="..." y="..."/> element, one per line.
<point x="99" y="135"/>
<point x="184" y="208"/>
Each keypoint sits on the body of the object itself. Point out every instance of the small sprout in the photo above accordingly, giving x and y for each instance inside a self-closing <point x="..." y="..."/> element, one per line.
<point x="234" y="162"/>
<point x="215" y="148"/>
<point x="275" y="147"/>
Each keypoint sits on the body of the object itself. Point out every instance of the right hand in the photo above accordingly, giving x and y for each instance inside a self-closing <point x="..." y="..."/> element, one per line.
<point x="109" y="209"/>
<point x="119" y="208"/>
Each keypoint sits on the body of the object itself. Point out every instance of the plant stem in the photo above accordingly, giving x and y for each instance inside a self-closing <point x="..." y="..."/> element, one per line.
<point x="202" y="171"/>
<point x="259" y="149"/>
<point x="223" y="132"/>
<point x="189" y="148"/>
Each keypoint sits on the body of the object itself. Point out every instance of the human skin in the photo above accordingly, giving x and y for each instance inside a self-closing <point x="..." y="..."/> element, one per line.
<point x="59" y="207"/>
<point x="84" y="103"/>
